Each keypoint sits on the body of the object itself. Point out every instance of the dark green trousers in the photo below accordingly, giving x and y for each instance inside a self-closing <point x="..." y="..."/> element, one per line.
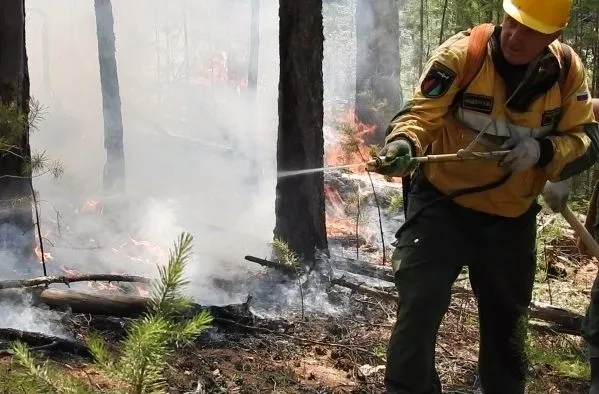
<point x="430" y="252"/>
<point x="590" y="323"/>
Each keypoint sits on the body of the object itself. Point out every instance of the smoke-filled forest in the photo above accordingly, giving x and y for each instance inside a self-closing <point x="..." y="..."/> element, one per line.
<point x="185" y="206"/>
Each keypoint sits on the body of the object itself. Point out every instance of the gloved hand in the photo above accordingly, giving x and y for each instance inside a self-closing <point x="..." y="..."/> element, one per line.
<point x="556" y="194"/>
<point x="525" y="153"/>
<point x="397" y="159"/>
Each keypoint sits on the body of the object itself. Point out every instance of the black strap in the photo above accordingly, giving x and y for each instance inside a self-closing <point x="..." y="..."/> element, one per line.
<point x="405" y="192"/>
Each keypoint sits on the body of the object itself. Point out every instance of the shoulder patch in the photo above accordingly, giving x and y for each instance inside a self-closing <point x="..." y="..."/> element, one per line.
<point x="582" y="96"/>
<point x="437" y="81"/>
<point x="478" y="103"/>
<point x="550" y="117"/>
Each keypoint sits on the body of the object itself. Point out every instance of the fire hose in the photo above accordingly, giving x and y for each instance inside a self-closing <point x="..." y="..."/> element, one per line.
<point x="579" y="229"/>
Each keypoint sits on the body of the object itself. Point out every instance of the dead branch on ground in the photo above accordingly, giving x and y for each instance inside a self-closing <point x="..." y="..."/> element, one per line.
<point x="562" y="320"/>
<point x="45" y="342"/>
<point x="366" y="290"/>
<point x="271" y="264"/>
<point x="66" y="279"/>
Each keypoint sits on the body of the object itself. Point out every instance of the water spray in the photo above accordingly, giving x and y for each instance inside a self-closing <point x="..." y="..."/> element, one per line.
<point x="381" y="161"/>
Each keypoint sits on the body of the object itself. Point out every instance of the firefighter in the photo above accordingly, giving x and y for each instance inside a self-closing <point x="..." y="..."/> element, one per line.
<point x="590" y="324"/>
<point x="482" y="214"/>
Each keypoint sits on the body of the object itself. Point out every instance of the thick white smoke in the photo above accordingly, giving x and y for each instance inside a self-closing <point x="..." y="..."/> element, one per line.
<point x="198" y="157"/>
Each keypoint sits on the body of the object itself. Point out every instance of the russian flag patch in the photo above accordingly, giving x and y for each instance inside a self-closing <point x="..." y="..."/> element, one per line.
<point x="582" y="96"/>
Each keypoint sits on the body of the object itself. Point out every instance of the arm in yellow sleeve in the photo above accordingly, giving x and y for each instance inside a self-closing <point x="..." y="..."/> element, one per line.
<point x="575" y="146"/>
<point x="422" y="118"/>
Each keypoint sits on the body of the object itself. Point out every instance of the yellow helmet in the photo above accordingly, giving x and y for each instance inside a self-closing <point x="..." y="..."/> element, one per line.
<point x="541" y="15"/>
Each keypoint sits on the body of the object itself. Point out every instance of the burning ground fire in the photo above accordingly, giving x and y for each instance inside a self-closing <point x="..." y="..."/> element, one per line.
<point x="126" y="251"/>
<point x="220" y="71"/>
<point x="346" y="145"/>
<point x="337" y="220"/>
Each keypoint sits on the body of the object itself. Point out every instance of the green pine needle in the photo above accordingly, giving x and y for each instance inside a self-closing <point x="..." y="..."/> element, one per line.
<point x="187" y="331"/>
<point x="44" y="378"/>
<point x="140" y="365"/>
<point x="12" y="123"/>
<point x="166" y="295"/>
<point x="284" y="254"/>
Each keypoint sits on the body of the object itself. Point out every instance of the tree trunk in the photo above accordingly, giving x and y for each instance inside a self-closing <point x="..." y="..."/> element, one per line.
<point x="442" y="28"/>
<point x="378" y="90"/>
<point x="252" y="94"/>
<point x="299" y="205"/>
<point x="114" y="170"/>
<point x="254" y="49"/>
<point x="16" y="219"/>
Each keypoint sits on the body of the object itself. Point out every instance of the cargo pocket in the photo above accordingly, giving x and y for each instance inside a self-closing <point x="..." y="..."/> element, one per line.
<point x="407" y="246"/>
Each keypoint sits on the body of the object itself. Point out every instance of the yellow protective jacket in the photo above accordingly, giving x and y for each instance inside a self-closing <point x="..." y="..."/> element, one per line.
<point x="442" y="119"/>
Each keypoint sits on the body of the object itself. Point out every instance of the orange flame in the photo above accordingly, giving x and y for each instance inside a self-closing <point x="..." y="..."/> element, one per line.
<point x="337" y="221"/>
<point x="90" y="206"/>
<point x="350" y="147"/>
<point x="142" y="291"/>
<point x="38" y="253"/>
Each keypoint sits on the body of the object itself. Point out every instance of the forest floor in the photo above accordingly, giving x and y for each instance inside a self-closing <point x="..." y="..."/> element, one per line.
<point x="345" y="353"/>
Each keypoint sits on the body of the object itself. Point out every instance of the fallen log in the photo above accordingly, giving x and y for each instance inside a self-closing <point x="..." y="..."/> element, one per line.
<point x="349" y="265"/>
<point x="560" y="317"/>
<point x="551" y="329"/>
<point x="44" y="342"/>
<point x="366" y="290"/>
<point x="94" y="303"/>
<point x="121" y="305"/>
<point x="66" y="279"/>
<point x="390" y="295"/>
<point x="362" y="268"/>
<point x="562" y="320"/>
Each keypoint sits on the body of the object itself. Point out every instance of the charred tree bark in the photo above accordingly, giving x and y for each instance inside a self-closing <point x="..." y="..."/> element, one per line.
<point x="39" y="341"/>
<point x="16" y="218"/>
<point x="378" y="90"/>
<point x="300" y="206"/>
<point x="114" y="170"/>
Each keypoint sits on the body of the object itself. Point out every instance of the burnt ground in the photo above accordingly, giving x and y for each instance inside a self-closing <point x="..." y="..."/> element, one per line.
<point x="321" y="354"/>
<point x="344" y="351"/>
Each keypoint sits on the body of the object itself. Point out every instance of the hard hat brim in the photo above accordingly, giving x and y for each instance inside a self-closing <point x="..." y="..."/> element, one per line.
<point x="528" y="20"/>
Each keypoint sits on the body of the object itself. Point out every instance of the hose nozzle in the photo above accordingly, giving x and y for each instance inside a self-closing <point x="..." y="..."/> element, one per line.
<point x="375" y="163"/>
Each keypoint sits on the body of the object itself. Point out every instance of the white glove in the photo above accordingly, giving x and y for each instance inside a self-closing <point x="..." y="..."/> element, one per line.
<point x="556" y="194"/>
<point x="525" y="154"/>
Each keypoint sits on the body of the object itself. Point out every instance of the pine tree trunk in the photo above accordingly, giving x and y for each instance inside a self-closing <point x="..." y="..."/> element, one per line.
<point x="378" y="90"/>
<point x="16" y="219"/>
<point x="254" y="49"/>
<point x="299" y="206"/>
<point x="442" y="28"/>
<point x="252" y="92"/>
<point x="114" y="170"/>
